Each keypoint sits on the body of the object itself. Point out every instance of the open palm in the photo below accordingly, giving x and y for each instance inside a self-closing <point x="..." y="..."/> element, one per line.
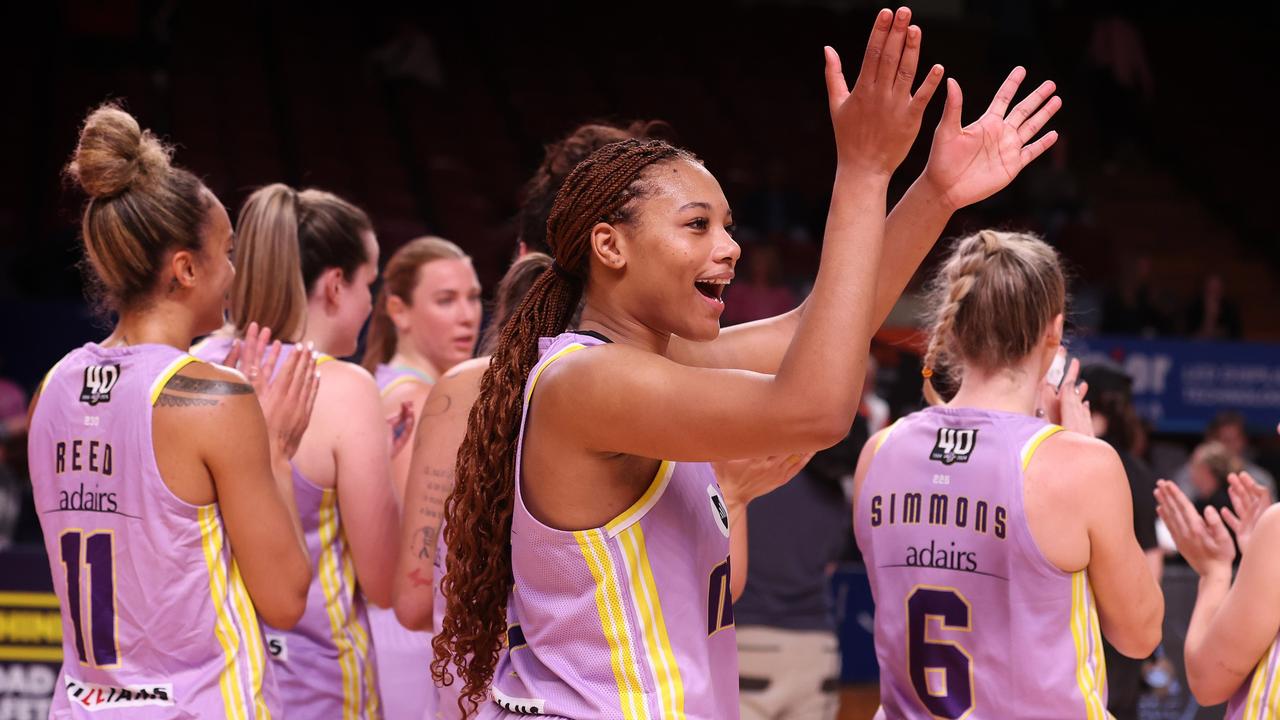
<point x="971" y="163"/>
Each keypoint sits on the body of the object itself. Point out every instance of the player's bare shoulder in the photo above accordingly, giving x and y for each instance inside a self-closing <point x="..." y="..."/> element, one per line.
<point x="205" y="385"/>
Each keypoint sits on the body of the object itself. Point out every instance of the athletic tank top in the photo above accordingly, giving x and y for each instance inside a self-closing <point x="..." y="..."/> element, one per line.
<point x="156" y="620"/>
<point x="403" y="655"/>
<point x="324" y="665"/>
<point x="629" y="620"/>
<point x="971" y="620"/>
<point x="1258" y="697"/>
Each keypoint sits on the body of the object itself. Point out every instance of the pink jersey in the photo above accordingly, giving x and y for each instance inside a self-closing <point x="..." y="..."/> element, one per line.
<point x="1258" y="697"/>
<point x="971" y="620"/>
<point x="403" y="655"/>
<point x="324" y="666"/>
<point x="156" y="620"/>
<point x="629" y="620"/>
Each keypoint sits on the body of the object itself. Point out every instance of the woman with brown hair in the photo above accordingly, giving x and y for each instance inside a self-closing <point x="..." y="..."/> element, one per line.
<point x="600" y="508"/>
<point x="304" y="266"/>
<point x="166" y="501"/>
<point x="425" y="321"/>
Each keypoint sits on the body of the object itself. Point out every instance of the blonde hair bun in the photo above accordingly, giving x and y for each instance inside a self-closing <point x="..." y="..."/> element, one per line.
<point x="115" y="154"/>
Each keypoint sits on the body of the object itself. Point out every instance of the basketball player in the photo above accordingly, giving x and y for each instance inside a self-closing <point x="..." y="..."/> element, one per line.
<point x="148" y="467"/>
<point x="418" y="603"/>
<point x="417" y="597"/>
<point x="609" y="549"/>
<point x="425" y="321"/>
<point x="1232" y="649"/>
<point x="999" y="549"/>
<point x="304" y="265"/>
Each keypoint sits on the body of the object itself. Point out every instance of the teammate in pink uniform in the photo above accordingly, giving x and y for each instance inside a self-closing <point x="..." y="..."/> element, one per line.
<point x="617" y="532"/>
<point x="1233" y="642"/>
<point x="425" y="321"/>
<point x="305" y="263"/>
<point x="999" y="549"/>
<point x="152" y="472"/>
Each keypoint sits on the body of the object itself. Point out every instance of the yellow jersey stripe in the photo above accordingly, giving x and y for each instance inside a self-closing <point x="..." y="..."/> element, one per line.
<point x="644" y="592"/>
<point x="224" y="629"/>
<point x="614" y="587"/>
<point x="638" y="508"/>
<point x="1100" y="657"/>
<point x="248" y="618"/>
<point x="1262" y="685"/>
<point x="1079" y="622"/>
<point x="167" y="374"/>
<point x="360" y="637"/>
<point x="1033" y="444"/>
<point x="885" y="435"/>
<point x="612" y="621"/>
<point x="574" y="347"/>
<point x="330" y="583"/>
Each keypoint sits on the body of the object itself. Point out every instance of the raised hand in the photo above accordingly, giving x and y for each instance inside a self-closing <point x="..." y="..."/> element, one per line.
<point x="289" y="396"/>
<point x="1249" y="500"/>
<point x="1203" y="542"/>
<point x="742" y="481"/>
<point x="971" y="163"/>
<point x="877" y="121"/>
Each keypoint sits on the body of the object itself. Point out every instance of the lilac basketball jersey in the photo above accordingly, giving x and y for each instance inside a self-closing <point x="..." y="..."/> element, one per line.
<point x="324" y="666"/>
<point x="403" y="655"/>
<point x="971" y="620"/>
<point x="156" y="620"/>
<point x="1258" y="697"/>
<point x="629" y="620"/>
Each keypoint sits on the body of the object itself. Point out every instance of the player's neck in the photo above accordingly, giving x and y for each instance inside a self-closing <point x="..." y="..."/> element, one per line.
<point x="622" y="328"/>
<point x="1012" y="390"/>
<point x="160" y="324"/>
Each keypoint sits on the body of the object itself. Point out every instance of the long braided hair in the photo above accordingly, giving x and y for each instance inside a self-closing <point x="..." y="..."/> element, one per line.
<point x="989" y="303"/>
<point x="602" y="188"/>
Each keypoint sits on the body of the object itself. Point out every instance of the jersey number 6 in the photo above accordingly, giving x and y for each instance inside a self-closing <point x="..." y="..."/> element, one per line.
<point x="941" y="670"/>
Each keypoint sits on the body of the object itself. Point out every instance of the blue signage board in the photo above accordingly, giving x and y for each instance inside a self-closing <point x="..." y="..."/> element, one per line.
<point x="1179" y="385"/>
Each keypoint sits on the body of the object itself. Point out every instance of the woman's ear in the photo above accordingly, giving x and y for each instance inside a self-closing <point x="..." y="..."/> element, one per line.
<point x="183" y="265"/>
<point x="398" y="311"/>
<point x="330" y="286"/>
<point x="608" y="244"/>
<point x="1056" y="329"/>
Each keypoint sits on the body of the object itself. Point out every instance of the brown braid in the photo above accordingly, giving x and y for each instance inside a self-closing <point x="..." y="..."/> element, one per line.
<point x="990" y="303"/>
<point x="602" y="188"/>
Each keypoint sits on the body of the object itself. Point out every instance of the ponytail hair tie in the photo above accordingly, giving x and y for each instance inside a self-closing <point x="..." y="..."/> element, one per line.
<point x="564" y="274"/>
<point x="926" y="372"/>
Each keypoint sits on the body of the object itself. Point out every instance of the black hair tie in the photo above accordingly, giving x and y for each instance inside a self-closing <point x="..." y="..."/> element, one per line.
<point x="565" y="274"/>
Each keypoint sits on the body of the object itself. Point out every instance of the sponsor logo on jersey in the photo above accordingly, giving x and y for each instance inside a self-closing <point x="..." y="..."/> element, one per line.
<point x="278" y="647"/>
<point x="521" y="706"/>
<point x="94" y="697"/>
<point x="954" y="445"/>
<point x="718" y="509"/>
<point x="98" y="381"/>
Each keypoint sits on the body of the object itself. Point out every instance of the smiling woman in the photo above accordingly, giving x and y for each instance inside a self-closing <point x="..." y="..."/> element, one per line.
<point x="583" y="474"/>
